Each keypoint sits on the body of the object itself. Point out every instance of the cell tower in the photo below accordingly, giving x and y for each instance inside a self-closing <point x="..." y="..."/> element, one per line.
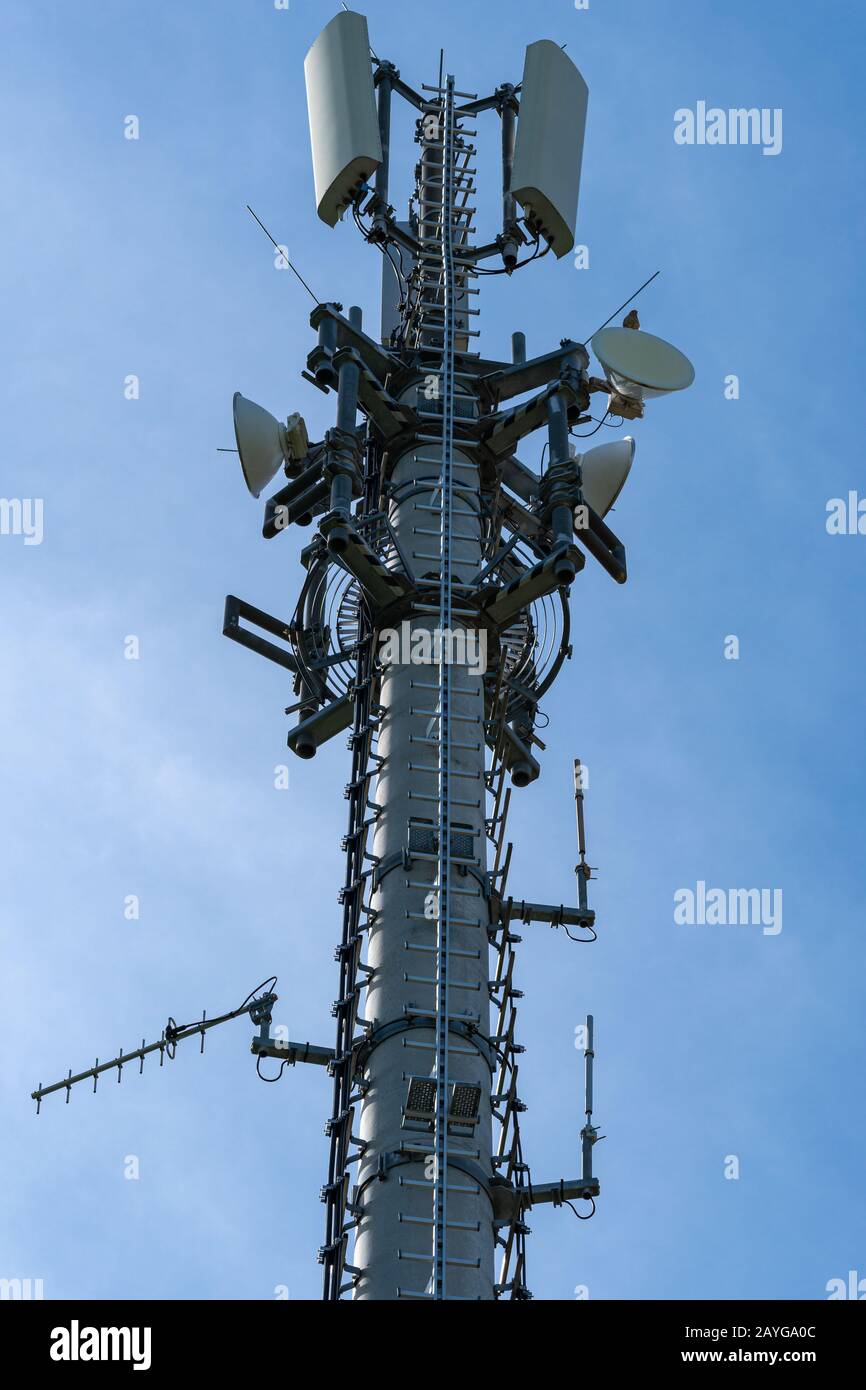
<point x="432" y="620"/>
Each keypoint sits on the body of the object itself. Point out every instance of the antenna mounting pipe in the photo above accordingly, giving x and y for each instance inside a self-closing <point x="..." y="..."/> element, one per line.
<point x="588" y="1134"/>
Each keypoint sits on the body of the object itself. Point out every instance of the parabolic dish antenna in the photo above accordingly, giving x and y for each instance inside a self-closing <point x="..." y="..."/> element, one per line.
<point x="605" y="470"/>
<point x="640" y="366"/>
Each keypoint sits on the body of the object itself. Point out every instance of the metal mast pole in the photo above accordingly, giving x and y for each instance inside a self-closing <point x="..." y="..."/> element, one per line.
<point x="426" y="1230"/>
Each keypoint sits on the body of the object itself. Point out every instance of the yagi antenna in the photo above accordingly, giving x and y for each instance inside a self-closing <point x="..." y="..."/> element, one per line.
<point x="258" y="1005"/>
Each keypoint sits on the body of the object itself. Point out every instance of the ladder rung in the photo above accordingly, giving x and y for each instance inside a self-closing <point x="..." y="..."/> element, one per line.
<point x="456" y="211"/>
<point x="433" y="950"/>
<point x="452" y="858"/>
<point x="452" y="984"/>
<point x="430" y="283"/>
<point x="455" y="612"/>
<point x="456" y="443"/>
<point x="423" y="1293"/>
<point x="454" y="922"/>
<point x="439" y="309"/>
<point x="451" y="1187"/>
<point x="458" y="395"/>
<point x="455" y="463"/>
<point x="455" y="511"/>
<point x="438" y="350"/>
<point x="454" y="800"/>
<point x="449" y="1259"/>
<point x="464" y="892"/>
<point x="467" y="261"/>
<point x="425" y="1151"/>
<point x="427" y="182"/>
<point x="411" y="1011"/>
<point x="423" y="767"/>
<point x="455" y="690"/>
<point x="428" y="1221"/>
<point x="453" y="1048"/>
<point x="457" y="331"/>
<point x="460" y="718"/>
<point x="434" y="743"/>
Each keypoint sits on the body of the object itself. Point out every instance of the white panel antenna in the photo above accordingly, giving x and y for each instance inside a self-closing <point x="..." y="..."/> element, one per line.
<point x="344" y="126"/>
<point x="545" y="179"/>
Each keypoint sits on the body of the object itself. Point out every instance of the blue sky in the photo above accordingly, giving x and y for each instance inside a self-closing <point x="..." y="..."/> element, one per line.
<point x="156" y="777"/>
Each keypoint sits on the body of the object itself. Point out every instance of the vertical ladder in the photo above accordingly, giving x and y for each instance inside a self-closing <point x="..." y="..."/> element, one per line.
<point x="443" y="867"/>
<point x="440" y="330"/>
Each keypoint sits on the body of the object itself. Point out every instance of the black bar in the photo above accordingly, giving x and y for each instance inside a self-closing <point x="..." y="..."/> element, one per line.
<point x="185" y="1341"/>
<point x="236" y="609"/>
<point x="603" y="545"/>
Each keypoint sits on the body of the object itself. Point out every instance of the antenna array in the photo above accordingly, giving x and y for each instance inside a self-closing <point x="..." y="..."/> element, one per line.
<point x="429" y="527"/>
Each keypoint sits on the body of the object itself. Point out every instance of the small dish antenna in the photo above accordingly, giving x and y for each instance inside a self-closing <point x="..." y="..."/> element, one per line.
<point x="640" y="366"/>
<point x="604" y="471"/>
<point x="264" y="444"/>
